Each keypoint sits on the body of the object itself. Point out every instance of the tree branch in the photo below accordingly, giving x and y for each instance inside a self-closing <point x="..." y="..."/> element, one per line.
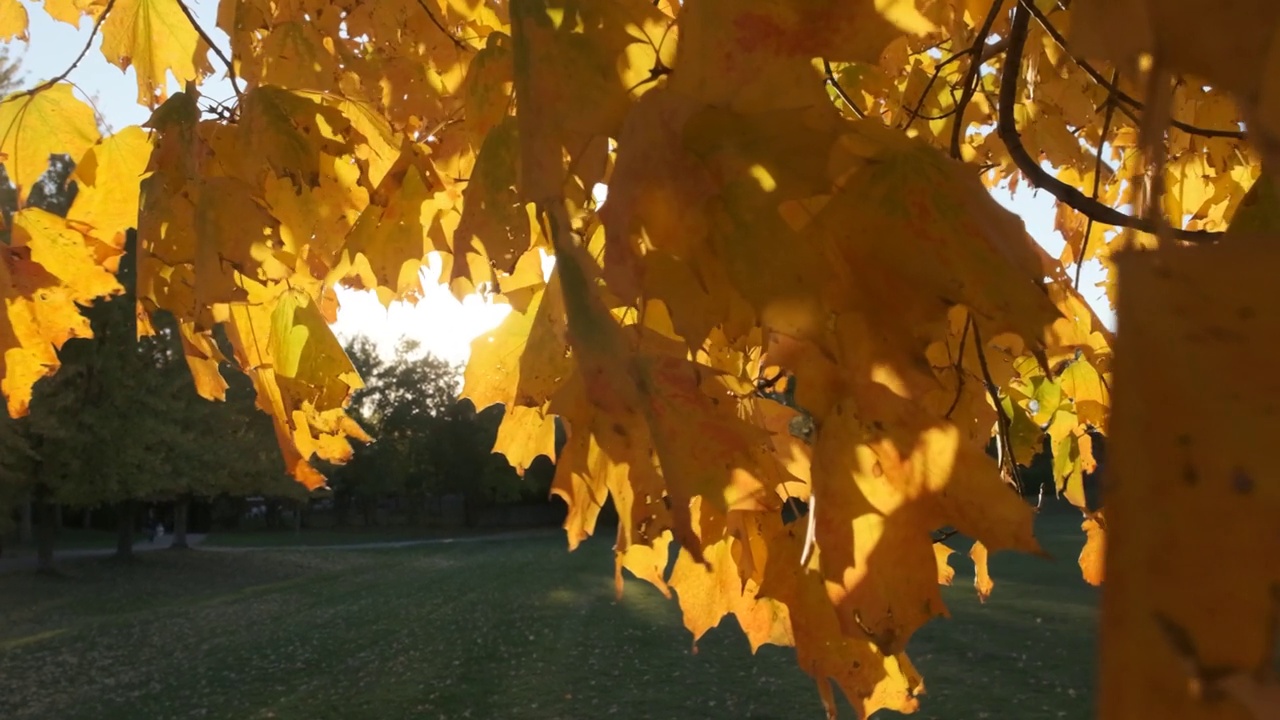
<point x="1007" y="131"/>
<point x="83" y="51"/>
<point x="1111" y="86"/>
<point x="959" y="365"/>
<point x="440" y="26"/>
<point x="231" y="69"/>
<point x="831" y="80"/>
<point x="971" y="77"/>
<point x="988" y="52"/>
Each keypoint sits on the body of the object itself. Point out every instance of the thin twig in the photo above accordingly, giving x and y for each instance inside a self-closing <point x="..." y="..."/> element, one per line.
<point x="231" y="68"/>
<point x="83" y="51"/>
<point x="1112" y="87"/>
<point x="959" y="365"/>
<point x="971" y="78"/>
<point x="945" y="535"/>
<point x="988" y="52"/>
<point x="439" y="25"/>
<point x="831" y="80"/>
<point x="1003" y="422"/>
<point x="1097" y="174"/>
<point x="1007" y="130"/>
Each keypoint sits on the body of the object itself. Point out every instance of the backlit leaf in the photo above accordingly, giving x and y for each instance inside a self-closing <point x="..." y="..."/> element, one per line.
<point x="156" y="39"/>
<point x="33" y="127"/>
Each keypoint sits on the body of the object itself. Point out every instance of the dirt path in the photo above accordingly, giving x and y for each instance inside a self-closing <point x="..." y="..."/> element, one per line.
<point x="195" y="540"/>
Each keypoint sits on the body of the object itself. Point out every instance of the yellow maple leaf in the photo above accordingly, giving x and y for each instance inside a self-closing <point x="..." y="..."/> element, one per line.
<point x="1197" y="494"/>
<point x="302" y="376"/>
<point x="34" y="126"/>
<point x="523" y="360"/>
<point x="289" y="133"/>
<point x="390" y="233"/>
<point x="203" y="358"/>
<point x="109" y="179"/>
<point x="558" y="78"/>
<point x="524" y="434"/>
<point x="1093" y="556"/>
<point x="492" y="215"/>
<point x="156" y="39"/>
<point x="946" y="573"/>
<point x="981" y="576"/>
<point x="71" y="11"/>
<point x="581" y="480"/>
<point x="45" y="273"/>
<point x="13" y="20"/>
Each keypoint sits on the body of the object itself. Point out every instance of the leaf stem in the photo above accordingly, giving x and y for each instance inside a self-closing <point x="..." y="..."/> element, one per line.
<point x="959" y="365"/>
<point x="226" y="61"/>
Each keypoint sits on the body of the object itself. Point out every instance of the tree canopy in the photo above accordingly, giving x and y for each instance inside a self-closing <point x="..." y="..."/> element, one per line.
<point x="741" y="198"/>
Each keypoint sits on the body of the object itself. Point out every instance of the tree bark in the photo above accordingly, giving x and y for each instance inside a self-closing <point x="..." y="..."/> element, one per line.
<point x="25" y="525"/>
<point x="57" y="516"/>
<point x="86" y="520"/>
<point x="180" y="511"/>
<point x="45" y="532"/>
<point x="124" y="529"/>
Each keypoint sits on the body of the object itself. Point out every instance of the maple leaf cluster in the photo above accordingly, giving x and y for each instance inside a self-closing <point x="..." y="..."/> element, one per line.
<point x="797" y="196"/>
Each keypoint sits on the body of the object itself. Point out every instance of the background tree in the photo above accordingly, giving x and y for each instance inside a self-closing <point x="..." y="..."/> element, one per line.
<point x="427" y="442"/>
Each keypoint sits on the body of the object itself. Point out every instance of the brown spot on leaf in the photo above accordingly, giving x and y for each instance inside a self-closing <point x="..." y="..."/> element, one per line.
<point x="1189" y="474"/>
<point x="1241" y="481"/>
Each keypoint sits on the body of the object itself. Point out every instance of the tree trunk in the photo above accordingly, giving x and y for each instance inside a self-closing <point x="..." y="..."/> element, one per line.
<point x="87" y="519"/>
<point x="124" y="529"/>
<point x="57" y="516"/>
<point x="297" y="517"/>
<point x="180" y="511"/>
<point x="45" y="532"/>
<point x="25" y="534"/>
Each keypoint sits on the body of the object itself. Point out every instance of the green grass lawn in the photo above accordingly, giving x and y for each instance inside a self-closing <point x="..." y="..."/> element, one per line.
<point x="502" y="629"/>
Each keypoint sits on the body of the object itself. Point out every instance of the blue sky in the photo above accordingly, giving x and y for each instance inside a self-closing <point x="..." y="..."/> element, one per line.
<point x="441" y="323"/>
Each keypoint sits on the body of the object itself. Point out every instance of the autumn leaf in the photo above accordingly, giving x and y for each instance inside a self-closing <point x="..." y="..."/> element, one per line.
<point x="1196" y="488"/>
<point x="35" y="126"/>
<point x="47" y="272"/>
<point x="109" y="177"/>
<point x="946" y="573"/>
<point x="798" y="299"/>
<point x="157" y="40"/>
<point x="523" y="361"/>
<point x="1093" y="555"/>
<point x="13" y="20"/>
<point x="302" y="376"/>
<point x="981" y="576"/>
<point x="525" y="434"/>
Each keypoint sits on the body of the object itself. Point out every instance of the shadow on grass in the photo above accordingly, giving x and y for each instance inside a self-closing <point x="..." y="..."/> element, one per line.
<point x="511" y="629"/>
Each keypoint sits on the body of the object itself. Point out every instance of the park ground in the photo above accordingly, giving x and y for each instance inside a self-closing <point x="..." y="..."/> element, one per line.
<point x="497" y="627"/>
